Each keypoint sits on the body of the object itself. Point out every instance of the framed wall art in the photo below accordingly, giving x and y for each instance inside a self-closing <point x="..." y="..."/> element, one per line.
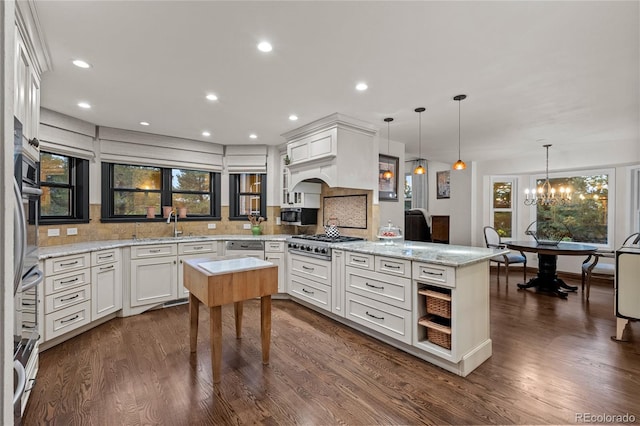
<point x="387" y="186"/>
<point x="442" y="183"/>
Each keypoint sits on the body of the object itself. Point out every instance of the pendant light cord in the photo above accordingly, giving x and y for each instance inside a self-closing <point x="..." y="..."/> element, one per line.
<point x="459" y="130"/>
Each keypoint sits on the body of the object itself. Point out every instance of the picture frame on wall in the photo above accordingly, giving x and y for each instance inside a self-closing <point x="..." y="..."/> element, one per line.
<point x="388" y="187"/>
<point x="443" y="184"/>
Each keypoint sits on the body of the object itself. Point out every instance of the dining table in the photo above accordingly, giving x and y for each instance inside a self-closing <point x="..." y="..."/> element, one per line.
<point x="546" y="280"/>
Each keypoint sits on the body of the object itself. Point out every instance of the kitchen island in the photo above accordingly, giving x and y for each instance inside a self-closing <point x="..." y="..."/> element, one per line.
<point x="430" y="300"/>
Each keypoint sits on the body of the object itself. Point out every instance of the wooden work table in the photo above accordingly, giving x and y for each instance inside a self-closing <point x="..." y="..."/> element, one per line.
<point x="224" y="280"/>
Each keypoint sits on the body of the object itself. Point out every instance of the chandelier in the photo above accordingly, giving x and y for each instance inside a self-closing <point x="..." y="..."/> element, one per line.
<point x="545" y="195"/>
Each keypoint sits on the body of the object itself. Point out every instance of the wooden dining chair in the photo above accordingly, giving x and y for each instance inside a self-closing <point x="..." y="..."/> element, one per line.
<point x="593" y="267"/>
<point x="493" y="240"/>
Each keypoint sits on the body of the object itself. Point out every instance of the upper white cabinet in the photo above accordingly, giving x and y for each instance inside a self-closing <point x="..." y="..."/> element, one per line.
<point x="339" y="150"/>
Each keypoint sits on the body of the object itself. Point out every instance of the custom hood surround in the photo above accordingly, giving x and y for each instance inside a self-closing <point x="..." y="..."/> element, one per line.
<point x="337" y="149"/>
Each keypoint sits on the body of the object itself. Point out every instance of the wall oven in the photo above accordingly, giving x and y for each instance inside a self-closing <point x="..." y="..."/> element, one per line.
<point x="27" y="275"/>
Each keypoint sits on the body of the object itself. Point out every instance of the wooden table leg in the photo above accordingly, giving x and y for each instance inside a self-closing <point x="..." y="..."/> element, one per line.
<point x="265" y="327"/>
<point x="215" y="317"/>
<point x="194" y="306"/>
<point x="237" y="311"/>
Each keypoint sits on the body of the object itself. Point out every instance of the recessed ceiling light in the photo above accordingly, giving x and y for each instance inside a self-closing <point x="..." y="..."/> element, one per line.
<point x="212" y="97"/>
<point x="205" y="133"/>
<point x="81" y="64"/>
<point x="265" y="46"/>
<point x="253" y="136"/>
<point x="361" y="86"/>
<point x="293" y="117"/>
<point x="144" y="123"/>
<point x="85" y="105"/>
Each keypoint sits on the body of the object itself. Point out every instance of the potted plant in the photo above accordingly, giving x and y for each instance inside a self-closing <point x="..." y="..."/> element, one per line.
<point x="255" y="221"/>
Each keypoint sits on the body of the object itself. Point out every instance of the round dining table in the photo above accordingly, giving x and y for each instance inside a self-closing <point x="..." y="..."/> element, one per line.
<point x="547" y="281"/>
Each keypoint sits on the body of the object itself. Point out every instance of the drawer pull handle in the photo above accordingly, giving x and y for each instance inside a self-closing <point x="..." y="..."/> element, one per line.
<point x="373" y="316"/>
<point x="69" y="281"/>
<point x="374" y="286"/>
<point x="75" y="317"/>
<point x="75" y="262"/>
<point x="106" y="268"/>
<point x="155" y="251"/>
<point x="28" y="303"/>
<point x="198" y="248"/>
<point x="105" y="257"/>
<point x="439" y="274"/>
<point x="392" y="266"/>
<point x="70" y="298"/>
<point x="360" y="260"/>
<point x="307" y="291"/>
<point x="306" y="268"/>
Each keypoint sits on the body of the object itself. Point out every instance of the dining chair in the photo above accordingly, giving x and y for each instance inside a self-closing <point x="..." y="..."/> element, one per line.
<point x="592" y="266"/>
<point x="493" y="240"/>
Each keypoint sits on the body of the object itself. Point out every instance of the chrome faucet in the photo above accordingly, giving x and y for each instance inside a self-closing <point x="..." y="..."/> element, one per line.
<point x="176" y="233"/>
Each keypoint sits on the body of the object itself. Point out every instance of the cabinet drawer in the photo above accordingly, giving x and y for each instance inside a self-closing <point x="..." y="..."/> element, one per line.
<point x="155" y="250"/>
<point x="389" y="265"/>
<point x="63" y="299"/>
<point x="61" y="282"/>
<point x="274" y="246"/>
<point x="105" y="256"/>
<point x="66" y="263"/>
<point x="317" y="270"/>
<point x="67" y="319"/>
<point x="365" y="261"/>
<point x="436" y="274"/>
<point x="388" y="320"/>
<point x="313" y="292"/>
<point x="383" y="288"/>
<point x="198" y="247"/>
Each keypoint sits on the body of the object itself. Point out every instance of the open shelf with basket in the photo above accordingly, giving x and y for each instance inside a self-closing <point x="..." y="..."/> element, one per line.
<point x="434" y="316"/>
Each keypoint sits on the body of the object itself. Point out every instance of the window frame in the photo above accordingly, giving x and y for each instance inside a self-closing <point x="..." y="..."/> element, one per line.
<point x="234" y="195"/>
<point x="79" y="192"/>
<point x="514" y="200"/>
<point x="611" y="183"/>
<point x="166" y="194"/>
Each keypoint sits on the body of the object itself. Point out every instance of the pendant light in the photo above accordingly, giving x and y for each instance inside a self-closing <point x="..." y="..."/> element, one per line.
<point x="420" y="170"/>
<point x="388" y="174"/>
<point x="459" y="165"/>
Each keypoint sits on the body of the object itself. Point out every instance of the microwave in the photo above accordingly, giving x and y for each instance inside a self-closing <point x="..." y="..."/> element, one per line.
<point x="299" y="216"/>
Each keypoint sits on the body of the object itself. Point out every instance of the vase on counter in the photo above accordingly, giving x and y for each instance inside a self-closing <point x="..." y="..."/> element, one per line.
<point x="256" y="230"/>
<point x="151" y="212"/>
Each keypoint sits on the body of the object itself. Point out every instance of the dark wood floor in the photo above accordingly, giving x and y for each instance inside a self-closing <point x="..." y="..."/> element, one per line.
<point x="552" y="359"/>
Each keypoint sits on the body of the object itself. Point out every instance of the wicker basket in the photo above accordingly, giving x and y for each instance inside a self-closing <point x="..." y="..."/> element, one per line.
<point x="438" y="303"/>
<point x="437" y="334"/>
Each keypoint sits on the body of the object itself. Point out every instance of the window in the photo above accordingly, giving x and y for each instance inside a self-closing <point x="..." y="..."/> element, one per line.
<point x="127" y="191"/>
<point x="587" y="217"/>
<point x="407" y="190"/>
<point x="247" y="195"/>
<point x="64" y="181"/>
<point x="502" y="213"/>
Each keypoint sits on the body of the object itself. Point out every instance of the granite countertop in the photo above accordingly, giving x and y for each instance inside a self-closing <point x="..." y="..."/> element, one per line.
<point x="440" y="254"/>
<point x="63" y="250"/>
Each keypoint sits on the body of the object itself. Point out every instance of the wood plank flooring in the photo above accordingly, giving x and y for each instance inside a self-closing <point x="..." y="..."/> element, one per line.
<point x="552" y="359"/>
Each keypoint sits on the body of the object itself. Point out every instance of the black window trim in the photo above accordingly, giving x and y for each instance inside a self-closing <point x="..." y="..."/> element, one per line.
<point x="79" y="186"/>
<point x="165" y="195"/>
<point x="234" y="195"/>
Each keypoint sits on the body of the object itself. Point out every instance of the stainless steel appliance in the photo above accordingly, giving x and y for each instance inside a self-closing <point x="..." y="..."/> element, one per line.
<point x="250" y="248"/>
<point x="299" y="216"/>
<point x="27" y="275"/>
<point x="318" y="246"/>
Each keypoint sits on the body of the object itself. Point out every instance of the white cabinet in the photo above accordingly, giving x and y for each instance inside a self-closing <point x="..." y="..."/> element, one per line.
<point x="313" y="147"/>
<point x="378" y="295"/>
<point x="192" y="250"/>
<point x="26" y="99"/>
<point x="106" y="283"/>
<point x="310" y="280"/>
<point x="451" y="313"/>
<point x="274" y="252"/>
<point x="153" y="274"/>
<point x="67" y="294"/>
<point x="338" y="266"/>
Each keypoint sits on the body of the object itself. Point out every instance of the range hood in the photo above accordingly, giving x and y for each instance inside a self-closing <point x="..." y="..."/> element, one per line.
<point x="337" y="149"/>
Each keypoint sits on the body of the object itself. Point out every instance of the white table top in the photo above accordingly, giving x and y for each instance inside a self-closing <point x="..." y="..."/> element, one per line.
<point x="235" y="264"/>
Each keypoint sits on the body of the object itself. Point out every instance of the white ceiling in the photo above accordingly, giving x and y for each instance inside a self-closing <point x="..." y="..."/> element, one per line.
<point x="563" y="72"/>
